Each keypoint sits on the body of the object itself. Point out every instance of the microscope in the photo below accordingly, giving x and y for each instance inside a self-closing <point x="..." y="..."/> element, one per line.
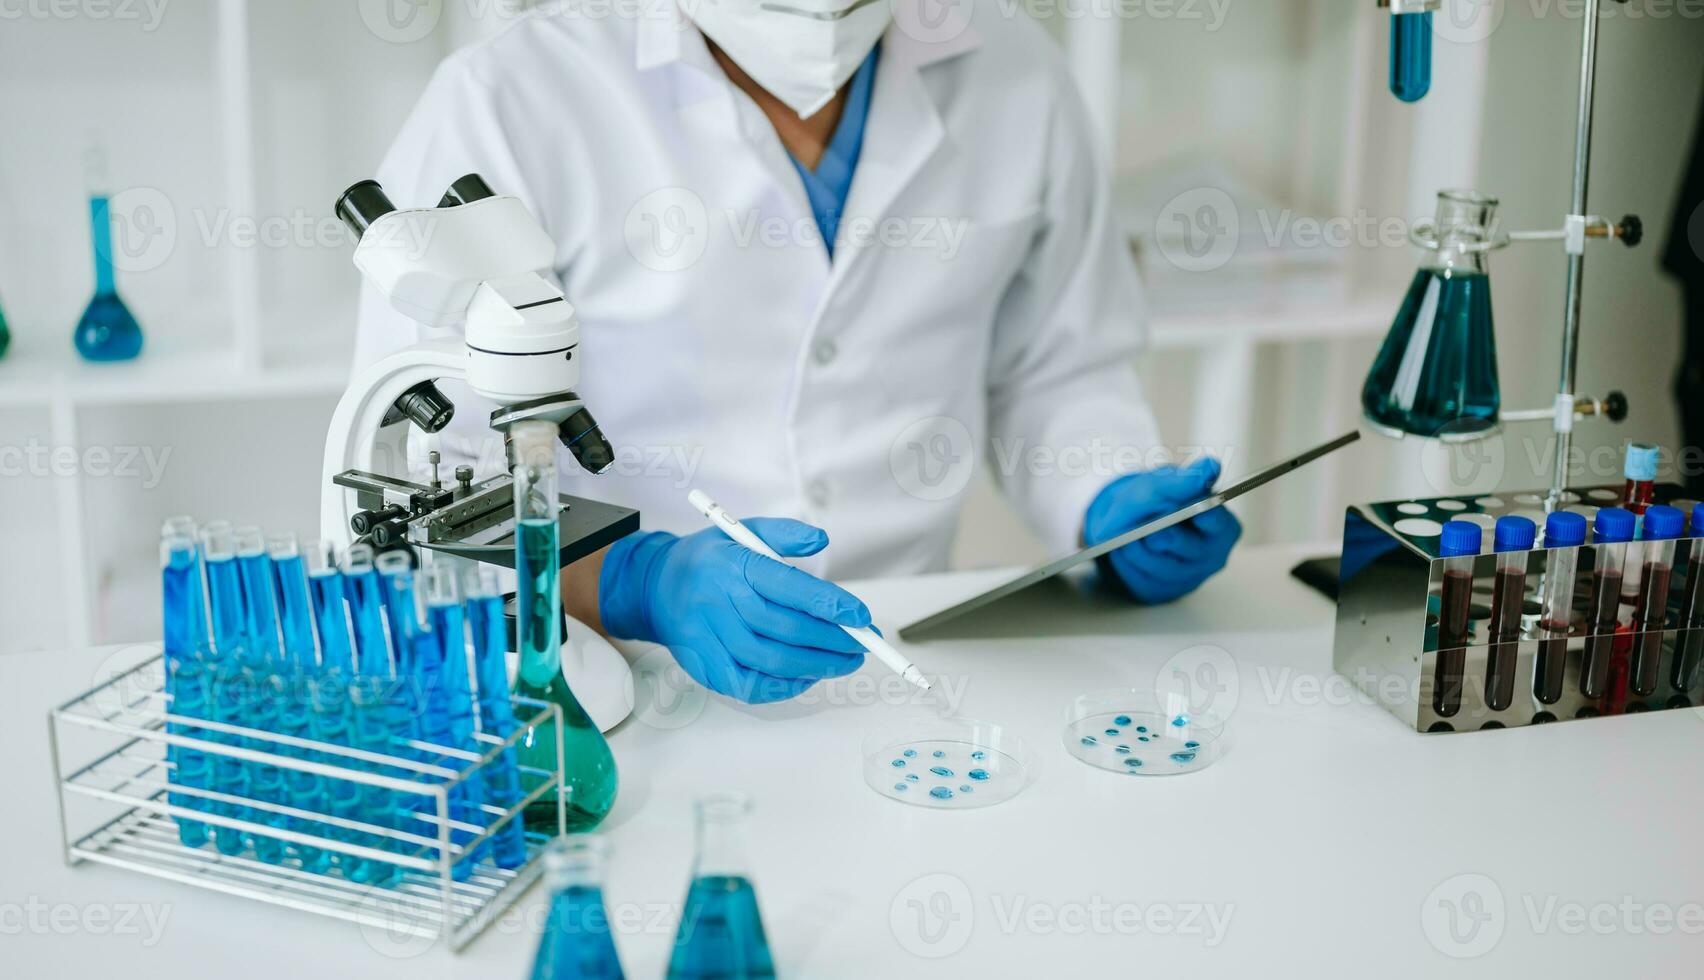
<point x="474" y="260"/>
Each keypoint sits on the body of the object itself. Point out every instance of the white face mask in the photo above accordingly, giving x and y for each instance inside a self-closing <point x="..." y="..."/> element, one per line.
<point x="800" y="51"/>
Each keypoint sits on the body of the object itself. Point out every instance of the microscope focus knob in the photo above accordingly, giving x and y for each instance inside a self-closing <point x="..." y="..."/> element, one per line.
<point x="389" y="534"/>
<point x="464" y="477"/>
<point x="367" y="520"/>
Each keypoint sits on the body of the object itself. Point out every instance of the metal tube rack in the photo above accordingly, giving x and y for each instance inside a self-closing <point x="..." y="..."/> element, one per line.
<point x="125" y="736"/>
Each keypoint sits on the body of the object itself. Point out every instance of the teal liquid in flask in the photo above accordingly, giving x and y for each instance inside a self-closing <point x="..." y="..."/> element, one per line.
<point x="577" y="943"/>
<point x="721" y="933"/>
<point x="107" y="330"/>
<point x="588" y="765"/>
<point x="5" y="333"/>
<point x="1436" y="374"/>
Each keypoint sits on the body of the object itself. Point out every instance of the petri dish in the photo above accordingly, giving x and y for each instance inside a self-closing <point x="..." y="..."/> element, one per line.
<point x="947" y="763"/>
<point x="1132" y="733"/>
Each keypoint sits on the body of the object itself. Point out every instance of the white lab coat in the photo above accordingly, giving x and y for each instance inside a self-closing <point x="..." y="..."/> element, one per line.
<point x="986" y="314"/>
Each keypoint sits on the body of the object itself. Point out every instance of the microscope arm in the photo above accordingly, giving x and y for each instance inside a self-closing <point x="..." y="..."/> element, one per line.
<point x="362" y="410"/>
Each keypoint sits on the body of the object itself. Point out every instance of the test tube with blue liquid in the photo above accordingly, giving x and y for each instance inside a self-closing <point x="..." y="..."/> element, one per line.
<point x="721" y="928"/>
<point x="326" y="593"/>
<point x="448" y="630"/>
<point x="186" y="683"/>
<point x="1564" y="533"/>
<point x="227" y="687"/>
<point x="1410" y="50"/>
<point x="1458" y="546"/>
<point x="1662" y="525"/>
<point x="303" y="790"/>
<point x="1513" y="539"/>
<point x="1612" y="529"/>
<point x="496" y="718"/>
<point x="264" y="684"/>
<point x="366" y="612"/>
<point x="577" y="943"/>
<point x="328" y="688"/>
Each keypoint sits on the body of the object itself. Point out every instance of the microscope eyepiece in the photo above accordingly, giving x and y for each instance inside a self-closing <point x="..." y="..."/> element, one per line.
<point x="580" y="433"/>
<point x="466" y="190"/>
<point x="362" y="204"/>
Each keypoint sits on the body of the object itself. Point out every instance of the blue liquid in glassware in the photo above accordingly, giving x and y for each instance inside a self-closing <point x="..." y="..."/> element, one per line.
<point x="1411" y="55"/>
<point x="721" y="932"/>
<point x="577" y="943"/>
<point x="366" y="611"/>
<point x="225" y="584"/>
<point x="180" y="589"/>
<point x="454" y="700"/>
<point x="295" y="611"/>
<point x="107" y="330"/>
<point x="331" y="623"/>
<point x="502" y="776"/>
<point x="261" y="630"/>
<point x="1437" y="371"/>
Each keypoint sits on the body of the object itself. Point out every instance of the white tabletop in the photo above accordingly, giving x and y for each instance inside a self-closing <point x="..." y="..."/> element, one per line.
<point x="1330" y="841"/>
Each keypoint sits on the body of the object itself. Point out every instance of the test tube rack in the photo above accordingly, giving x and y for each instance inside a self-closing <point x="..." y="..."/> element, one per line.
<point x="124" y="734"/>
<point x="1386" y="640"/>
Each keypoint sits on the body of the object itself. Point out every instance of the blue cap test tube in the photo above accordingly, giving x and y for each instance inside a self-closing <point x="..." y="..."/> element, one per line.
<point x="1611" y="531"/>
<point x="1564" y="533"/>
<point x="1513" y="542"/>
<point x="1690" y="652"/>
<point x="1661" y="526"/>
<point x="1458" y="545"/>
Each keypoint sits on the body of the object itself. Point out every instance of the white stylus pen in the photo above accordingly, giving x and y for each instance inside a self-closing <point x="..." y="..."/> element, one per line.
<point x="871" y="640"/>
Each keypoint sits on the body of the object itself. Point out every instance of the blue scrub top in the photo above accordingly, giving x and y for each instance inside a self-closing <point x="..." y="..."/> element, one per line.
<point x="828" y="186"/>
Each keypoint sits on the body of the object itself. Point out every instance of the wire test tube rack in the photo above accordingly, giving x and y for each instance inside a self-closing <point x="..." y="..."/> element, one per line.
<point x="128" y="735"/>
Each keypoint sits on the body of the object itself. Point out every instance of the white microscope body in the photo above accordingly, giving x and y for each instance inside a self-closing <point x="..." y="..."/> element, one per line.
<point x="475" y="260"/>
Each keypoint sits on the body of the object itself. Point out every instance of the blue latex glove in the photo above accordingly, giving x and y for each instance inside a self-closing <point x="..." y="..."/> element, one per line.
<point x="1174" y="562"/>
<point x="739" y="623"/>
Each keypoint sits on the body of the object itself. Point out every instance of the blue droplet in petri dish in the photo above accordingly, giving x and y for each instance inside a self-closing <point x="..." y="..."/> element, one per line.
<point x="979" y="755"/>
<point x="941" y="793"/>
<point x="1183" y="758"/>
<point x="1121" y="749"/>
<point x="941" y="771"/>
<point x="1089" y="740"/>
<point x="899" y="763"/>
<point x="1121" y="720"/>
<point x="978" y="774"/>
<point x="1180" y="721"/>
<point x="1141" y="728"/>
<point x="1133" y="762"/>
<point x="909" y="753"/>
<point x="911" y="776"/>
<point x="964" y="789"/>
<point x="902" y="787"/>
<point x="939" y="754"/>
<point x="1141" y="738"/>
<point x="1114" y="732"/>
<point x="1192" y="745"/>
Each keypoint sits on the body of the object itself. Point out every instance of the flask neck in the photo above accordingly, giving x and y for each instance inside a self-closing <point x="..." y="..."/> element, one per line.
<point x="721" y="836"/>
<point x="1464" y="224"/>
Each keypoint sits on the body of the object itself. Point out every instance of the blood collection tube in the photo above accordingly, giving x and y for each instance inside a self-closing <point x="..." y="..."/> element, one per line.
<point x="1513" y="542"/>
<point x="1650" y="614"/>
<point x="1637" y="496"/>
<point x="1564" y="532"/>
<point x="1611" y="532"/>
<point x="1691" y="645"/>
<point x="1458" y="547"/>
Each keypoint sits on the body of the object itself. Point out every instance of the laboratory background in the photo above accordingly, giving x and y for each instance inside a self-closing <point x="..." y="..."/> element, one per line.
<point x="172" y="169"/>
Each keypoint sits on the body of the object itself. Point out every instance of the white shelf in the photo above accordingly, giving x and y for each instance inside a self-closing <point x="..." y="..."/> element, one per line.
<point x="42" y="379"/>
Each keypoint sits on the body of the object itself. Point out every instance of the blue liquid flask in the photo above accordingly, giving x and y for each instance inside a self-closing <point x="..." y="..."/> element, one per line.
<point x="1411" y="55"/>
<point x="577" y="943"/>
<point x="107" y="330"/>
<point x="721" y="933"/>
<point x="1436" y="373"/>
<point x="588" y="765"/>
<point x="496" y="715"/>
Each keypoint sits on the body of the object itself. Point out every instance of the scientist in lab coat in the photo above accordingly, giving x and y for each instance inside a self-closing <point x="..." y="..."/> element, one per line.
<point x="827" y="257"/>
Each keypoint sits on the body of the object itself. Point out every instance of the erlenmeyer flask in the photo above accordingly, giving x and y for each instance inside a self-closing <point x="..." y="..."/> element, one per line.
<point x="107" y="330"/>
<point x="577" y="943"/>
<point x="589" y="766"/>
<point x="5" y="334"/>
<point x="1436" y="375"/>
<point x="721" y="929"/>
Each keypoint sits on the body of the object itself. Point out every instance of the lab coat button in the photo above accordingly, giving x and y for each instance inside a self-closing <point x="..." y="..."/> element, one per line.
<point x="826" y="352"/>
